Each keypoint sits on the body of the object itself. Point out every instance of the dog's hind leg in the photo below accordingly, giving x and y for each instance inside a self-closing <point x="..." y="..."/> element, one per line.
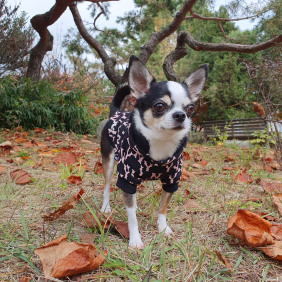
<point x="134" y="235"/>
<point x="108" y="167"/>
<point x="162" y="224"/>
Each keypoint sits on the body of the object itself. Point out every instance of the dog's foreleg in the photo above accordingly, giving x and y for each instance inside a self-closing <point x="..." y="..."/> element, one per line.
<point x="162" y="224"/>
<point x="134" y="235"/>
<point x="108" y="167"/>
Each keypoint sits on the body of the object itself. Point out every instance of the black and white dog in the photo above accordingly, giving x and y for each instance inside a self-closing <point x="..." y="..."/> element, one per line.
<point x="148" y="142"/>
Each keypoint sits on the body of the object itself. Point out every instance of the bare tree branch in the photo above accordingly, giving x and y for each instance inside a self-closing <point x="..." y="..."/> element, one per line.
<point x="222" y="30"/>
<point x="109" y="63"/>
<point x="156" y="38"/>
<point x="237" y="48"/>
<point x="198" y="16"/>
<point x="177" y="54"/>
<point x="101" y="13"/>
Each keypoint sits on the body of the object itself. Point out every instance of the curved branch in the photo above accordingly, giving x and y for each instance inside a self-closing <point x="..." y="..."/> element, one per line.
<point x="238" y="48"/>
<point x="109" y="63"/>
<point x="222" y="30"/>
<point x="198" y="16"/>
<point x="156" y="38"/>
<point x="177" y="54"/>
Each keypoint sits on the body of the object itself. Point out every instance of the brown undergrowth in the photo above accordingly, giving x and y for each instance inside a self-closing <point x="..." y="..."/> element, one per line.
<point x="218" y="181"/>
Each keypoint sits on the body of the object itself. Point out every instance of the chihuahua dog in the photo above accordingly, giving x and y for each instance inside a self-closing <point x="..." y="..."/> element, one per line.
<point x="148" y="142"/>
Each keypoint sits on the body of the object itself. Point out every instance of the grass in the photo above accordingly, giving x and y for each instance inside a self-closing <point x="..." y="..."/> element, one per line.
<point x="187" y="256"/>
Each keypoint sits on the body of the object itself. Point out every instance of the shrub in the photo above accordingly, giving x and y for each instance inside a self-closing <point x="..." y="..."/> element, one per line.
<point x="197" y="137"/>
<point x="40" y="104"/>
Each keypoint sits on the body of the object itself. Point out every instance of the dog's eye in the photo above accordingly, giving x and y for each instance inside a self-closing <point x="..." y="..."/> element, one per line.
<point x="159" y="107"/>
<point x="190" y="109"/>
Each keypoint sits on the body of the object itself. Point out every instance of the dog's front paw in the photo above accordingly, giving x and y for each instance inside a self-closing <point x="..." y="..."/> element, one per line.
<point x="106" y="208"/>
<point x="136" y="242"/>
<point x="162" y="225"/>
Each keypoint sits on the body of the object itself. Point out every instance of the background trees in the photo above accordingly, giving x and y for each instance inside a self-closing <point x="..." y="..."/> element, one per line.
<point x="16" y="39"/>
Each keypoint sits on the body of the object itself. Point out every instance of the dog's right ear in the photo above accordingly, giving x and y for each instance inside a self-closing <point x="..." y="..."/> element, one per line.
<point x="140" y="78"/>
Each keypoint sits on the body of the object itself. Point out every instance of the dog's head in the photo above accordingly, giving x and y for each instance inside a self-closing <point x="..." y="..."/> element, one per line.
<point x="164" y="108"/>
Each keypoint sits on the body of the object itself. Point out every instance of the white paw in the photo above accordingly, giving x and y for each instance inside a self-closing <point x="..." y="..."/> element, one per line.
<point x="106" y="208"/>
<point x="162" y="225"/>
<point x="136" y="242"/>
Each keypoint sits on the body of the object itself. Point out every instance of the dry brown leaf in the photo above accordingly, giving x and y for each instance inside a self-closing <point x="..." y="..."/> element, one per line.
<point x="87" y="141"/>
<point x="191" y="206"/>
<point x="67" y="149"/>
<point x="2" y="169"/>
<point x="204" y="163"/>
<point x="224" y="260"/>
<point x="70" y="204"/>
<point x="196" y="165"/>
<point x="266" y="216"/>
<point x="87" y="238"/>
<point x="122" y="228"/>
<point x="98" y="168"/>
<point x="185" y="174"/>
<point x="250" y="228"/>
<point x="277" y="201"/>
<point x="188" y="194"/>
<point x="271" y="187"/>
<point x="5" y="148"/>
<point x="76" y="180"/>
<point x="198" y="158"/>
<point x="259" y="109"/>
<point x="24" y="279"/>
<point x="21" y="176"/>
<point x="225" y="167"/>
<point x="39" y="130"/>
<point x="65" y="158"/>
<point x="61" y="258"/>
<point x="243" y="177"/>
<point x="186" y="156"/>
<point x="257" y="154"/>
<point x="274" y="251"/>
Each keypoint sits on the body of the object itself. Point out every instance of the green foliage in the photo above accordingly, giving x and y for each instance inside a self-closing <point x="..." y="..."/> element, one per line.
<point x="263" y="136"/>
<point x="31" y="105"/>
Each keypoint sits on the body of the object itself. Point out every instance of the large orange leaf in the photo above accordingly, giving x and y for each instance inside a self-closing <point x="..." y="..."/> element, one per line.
<point x="61" y="258"/>
<point x="250" y="228"/>
<point x="70" y="204"/>
<point x="21" y="176"/>
<point x="65" y="158"/>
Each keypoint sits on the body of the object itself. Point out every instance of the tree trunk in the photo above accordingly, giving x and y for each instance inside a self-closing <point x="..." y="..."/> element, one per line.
<point x="37" y="54"/>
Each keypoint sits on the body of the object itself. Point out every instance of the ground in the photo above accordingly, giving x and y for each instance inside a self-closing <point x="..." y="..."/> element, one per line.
<point x="198" y="213"/>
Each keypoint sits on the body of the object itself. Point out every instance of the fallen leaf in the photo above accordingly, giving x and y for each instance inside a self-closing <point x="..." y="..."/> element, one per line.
<point x="70" y="204"/>
<point x="250" y="228"/>
<point x="224" y="260"/>
<point x="204" y="163"/>
<point x="198" y="158"/>
<point x="65" y="158"/>
<point x="87" y="141"/>
<point x="191" y="206"/>
<point x="24" y="279"/>
<point x="268" y="217"/>
<point x="39" y="130"/>
<point x="63" y="259"/>
<point x="242" y="177"/>
<point x="92" y="223"/>
<point x="98" y="168"/>
<point x="276" y="231"/>
<point x="67" y="149"/>
<point x="274" y="251"/>
<point x="267" y="168"/>
<point x="196" y="165"/>
<point x="20" y="176"/>
<point x="257" y="154"/>
<point x="5" y="148"/>
<point x="186" y="156"/>
<point x="189" y="195"/>
<point x="185" y="174"/>
<point x="2" y="169"/>
<point x="122" y="228"/>
<point x="87" y="238"/>
<point x="76" y="180"/>
<point x="229" y="168"/>
<point x="277" y="201"/>
<point x="230" y="158"/>
<point x="271" y="187"/>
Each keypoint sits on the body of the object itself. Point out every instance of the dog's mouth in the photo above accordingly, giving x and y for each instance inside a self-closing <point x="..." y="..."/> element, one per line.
<point x="178" y="127"/>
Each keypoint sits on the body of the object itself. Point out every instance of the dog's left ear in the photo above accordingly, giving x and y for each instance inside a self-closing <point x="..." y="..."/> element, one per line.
<point x="196" y="81"/>
<point x="140" y="78"/>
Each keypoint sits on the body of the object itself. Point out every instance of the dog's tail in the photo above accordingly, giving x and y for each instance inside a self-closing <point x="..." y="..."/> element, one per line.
<point x="121" y="92"/>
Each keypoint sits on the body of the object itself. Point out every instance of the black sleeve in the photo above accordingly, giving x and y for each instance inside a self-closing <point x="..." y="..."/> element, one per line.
<point x="126" y="186"/>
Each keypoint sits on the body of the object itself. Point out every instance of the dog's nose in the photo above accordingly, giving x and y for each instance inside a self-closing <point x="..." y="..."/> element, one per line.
<point x="179" y="116"/>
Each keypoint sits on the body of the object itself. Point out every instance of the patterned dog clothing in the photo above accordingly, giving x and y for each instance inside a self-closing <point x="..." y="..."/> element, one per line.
<point x="135" y="165"/>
